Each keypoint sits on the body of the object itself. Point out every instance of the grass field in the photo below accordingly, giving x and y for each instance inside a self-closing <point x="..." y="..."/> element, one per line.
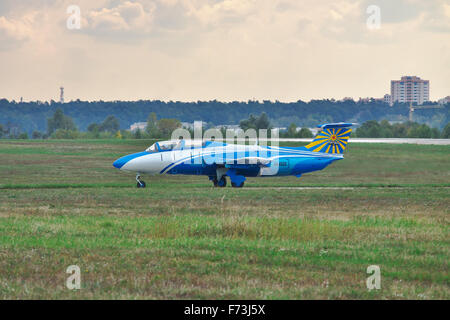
<point x="62" y="203"/>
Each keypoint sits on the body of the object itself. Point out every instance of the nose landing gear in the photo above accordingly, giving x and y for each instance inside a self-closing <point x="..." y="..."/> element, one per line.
<point x="140" y="183"/>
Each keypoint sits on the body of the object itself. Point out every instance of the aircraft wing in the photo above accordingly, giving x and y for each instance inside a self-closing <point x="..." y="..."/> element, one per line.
<point x="249" y="161"/>
<point x="240" y="162"/>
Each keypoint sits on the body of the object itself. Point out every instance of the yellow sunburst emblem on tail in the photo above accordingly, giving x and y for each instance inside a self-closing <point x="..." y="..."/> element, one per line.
<point x="331" y="140"/>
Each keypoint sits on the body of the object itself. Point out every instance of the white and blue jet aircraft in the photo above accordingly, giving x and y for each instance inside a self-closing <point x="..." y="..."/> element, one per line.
<point x="218" y="160"/>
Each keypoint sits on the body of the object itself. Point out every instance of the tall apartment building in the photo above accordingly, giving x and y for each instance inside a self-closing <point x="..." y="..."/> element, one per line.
<point x="410" y="89"/>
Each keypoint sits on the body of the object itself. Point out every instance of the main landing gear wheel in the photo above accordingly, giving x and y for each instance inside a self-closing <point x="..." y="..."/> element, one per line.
<point x="140" y="183"/>
<point x="222" y="183"/>
<point x="234" y="185"/>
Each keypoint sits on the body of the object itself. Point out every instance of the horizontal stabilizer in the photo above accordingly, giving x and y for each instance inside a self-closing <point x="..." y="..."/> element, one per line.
<point x="335" y="125"/>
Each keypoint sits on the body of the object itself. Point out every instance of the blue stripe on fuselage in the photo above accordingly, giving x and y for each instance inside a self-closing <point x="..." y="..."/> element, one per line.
<point x="119" y="163"/>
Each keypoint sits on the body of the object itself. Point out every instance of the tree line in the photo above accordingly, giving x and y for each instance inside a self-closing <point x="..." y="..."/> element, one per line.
<point x="32" y="116"/>
<point x="61" y="126"/>
<point x="384" y="129"/>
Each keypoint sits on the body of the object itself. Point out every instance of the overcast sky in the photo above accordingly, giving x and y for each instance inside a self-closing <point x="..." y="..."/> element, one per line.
<point x="220" y="49"/>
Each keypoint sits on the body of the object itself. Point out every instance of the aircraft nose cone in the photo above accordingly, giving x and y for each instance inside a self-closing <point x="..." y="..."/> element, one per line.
<point x="119" y="163"/>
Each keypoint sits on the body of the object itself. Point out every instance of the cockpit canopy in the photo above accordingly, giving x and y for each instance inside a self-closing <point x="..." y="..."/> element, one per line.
<point x="152" y="148"/>
<point x="175" y="145"/>
<point x="163" y="146"/>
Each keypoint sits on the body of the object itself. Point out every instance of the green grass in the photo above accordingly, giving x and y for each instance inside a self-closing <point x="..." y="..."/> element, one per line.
<point x="385" y="205"/>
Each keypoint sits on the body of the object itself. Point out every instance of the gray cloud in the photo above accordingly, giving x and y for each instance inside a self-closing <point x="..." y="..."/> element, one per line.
<point x="398" y="10"/>
<point x="228" y="49"/>
<point x="13" y="33"/>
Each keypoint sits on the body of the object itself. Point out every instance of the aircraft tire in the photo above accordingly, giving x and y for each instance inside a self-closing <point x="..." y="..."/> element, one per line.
<point x="141" y="184"/>
<point x="222" y="183"/>
<point x="236" y="186"/>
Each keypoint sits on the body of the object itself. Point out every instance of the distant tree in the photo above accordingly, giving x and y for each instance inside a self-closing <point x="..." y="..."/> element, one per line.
<point x="167" y="126"/>
<point x="1" y="131"/>
<point x="399" y="130"/>
<point x="419" y="131"/>
<point x="34" y="114"/>
<point x="305" y="133"/>
<point x="152" y="126"/>
<point x="373" y="129"/>
<point x="110" y="124"/>
<point x="60" y="121"/>
<point x="94" y="130"/>
<point x="138" y="134"/>
<point x="23" y="135"/>
<point x="249" y="123"/>
<point x="118" y="135"/>
<point x="261" y="122"/>
<point x="435" y="133"/>
<point x="36" y="135"/>
<point x="93" y="127"/>
<point x="386" y="129"/>
<point x="446" y="132"/>
<point x="292" y="131"/>
<point x="369" y="129"/>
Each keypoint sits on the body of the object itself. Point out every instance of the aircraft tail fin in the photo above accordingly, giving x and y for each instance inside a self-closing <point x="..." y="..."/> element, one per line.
<point x="332" y="139"/>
